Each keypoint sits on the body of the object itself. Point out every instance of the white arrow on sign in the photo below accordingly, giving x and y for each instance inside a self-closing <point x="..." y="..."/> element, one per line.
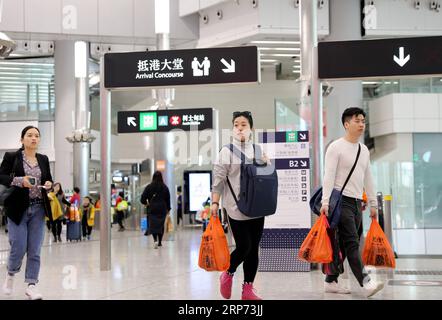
<point x="302" y="136"/>
<point x="401" y="61"/>
<point x="230" y="68"/>
<point x="282" y="111"/>
<point x="131" y="121"/>
<point x="303" y="163"/>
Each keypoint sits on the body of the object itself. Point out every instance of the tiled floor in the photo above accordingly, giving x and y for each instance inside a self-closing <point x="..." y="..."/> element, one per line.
<point x="71" y="271"/>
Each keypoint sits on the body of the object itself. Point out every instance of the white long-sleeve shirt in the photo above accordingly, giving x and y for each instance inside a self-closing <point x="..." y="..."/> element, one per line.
<point x="339" y="160"/>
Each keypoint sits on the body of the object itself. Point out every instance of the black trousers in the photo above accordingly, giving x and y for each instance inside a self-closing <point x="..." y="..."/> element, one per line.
<point x="157" y="237"/>
<point x="247" y="235"/>
<point x="85" y="228"/>
<point x="120" y="218"/>
<point x="56" y="227"/>
<point x="348" y="229"/>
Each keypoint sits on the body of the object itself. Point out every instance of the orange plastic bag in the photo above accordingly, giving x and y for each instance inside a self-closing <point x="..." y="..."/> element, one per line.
<point x="377" y="250"/>
<point x="214" y="251"/>
<point x="317" y="247"/>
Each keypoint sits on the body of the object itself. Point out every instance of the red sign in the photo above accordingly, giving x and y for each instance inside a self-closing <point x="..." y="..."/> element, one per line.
<point x="175" y="120"/>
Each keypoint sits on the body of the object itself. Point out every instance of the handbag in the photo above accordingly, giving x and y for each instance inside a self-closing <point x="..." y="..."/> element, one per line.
<point x="335" y="199"/>
<point x="5" y="191"/>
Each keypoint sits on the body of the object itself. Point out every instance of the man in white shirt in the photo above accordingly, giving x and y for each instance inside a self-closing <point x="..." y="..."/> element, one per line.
<point x="339" y="159"/>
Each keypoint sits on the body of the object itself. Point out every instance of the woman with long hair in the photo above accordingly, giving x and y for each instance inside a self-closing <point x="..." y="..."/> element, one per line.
<point x="58" y="208"/>
<point x="29" y="174"/>
<point x="158" y="196"/>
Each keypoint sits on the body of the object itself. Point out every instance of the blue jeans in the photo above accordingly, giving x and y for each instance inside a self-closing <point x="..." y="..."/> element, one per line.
<point x="27" y="237"/>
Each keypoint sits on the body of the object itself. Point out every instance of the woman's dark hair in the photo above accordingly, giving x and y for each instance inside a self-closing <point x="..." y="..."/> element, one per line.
<point x="60" y="192"/>
<point x="157" y="178"/>
<point x="26" y="129"/>
<point x="90" y="200"/>
<point x="245" y="114"/>
<point x="77" y="189"/>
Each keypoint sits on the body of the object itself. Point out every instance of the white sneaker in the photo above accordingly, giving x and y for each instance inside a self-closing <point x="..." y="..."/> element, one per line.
<point x="8" y="285"/>
<point x="372" y="287"/>
<point x="334" y="287"/>
<point x="32" y="293"/>
<point x="155" y="245"/>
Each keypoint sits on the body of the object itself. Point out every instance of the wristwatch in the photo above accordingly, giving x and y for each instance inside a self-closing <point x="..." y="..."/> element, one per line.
<point x="216" y="203"/>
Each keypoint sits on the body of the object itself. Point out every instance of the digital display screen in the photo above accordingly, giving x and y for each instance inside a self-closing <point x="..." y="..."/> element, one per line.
<point x="199" y="190"/>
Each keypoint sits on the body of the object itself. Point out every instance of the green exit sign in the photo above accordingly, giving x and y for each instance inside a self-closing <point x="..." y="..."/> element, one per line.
<point x="148" y="121"/>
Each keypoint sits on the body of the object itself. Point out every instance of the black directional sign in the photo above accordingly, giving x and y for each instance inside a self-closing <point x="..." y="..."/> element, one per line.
<point x="164" y="120"/>
<point x="380" y="58"/>
<point x="181" y="67"/>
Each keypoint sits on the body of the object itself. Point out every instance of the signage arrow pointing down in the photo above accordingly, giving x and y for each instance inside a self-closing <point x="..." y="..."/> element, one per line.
<point x="230" y="68"/>
<point x="401" y="61"/>
<point x="302" y="136"/>
<point x="131" y="121"/>
<point x="303" y="163"/>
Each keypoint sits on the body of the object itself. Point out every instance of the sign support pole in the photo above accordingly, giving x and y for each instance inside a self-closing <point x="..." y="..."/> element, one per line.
<point x="105" y="194"/>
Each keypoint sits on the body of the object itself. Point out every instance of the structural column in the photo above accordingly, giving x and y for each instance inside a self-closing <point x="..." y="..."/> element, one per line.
<point x="64" y="111"/>
<point x="312" y="86"/>
<point x="163" y="142"/>
<point x="345" y="24"/>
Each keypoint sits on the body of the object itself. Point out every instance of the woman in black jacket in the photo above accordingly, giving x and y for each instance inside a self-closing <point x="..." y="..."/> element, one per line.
<point x="158" y="196"/>
<point x="28" y="172"/>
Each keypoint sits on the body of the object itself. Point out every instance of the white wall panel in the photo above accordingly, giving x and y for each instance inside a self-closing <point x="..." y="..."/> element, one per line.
<point x="116" y="18"/>
<point x="403" y="105"/>
<point x="43" y="16"/>
<point x="426" y="106"/>
<point x="144" y="18"/>
<point x="410" y="241"/>
<point x="11" y="133"/>
<point x="408" y="112"/>
<point x="400" y="18"/>
<point x="86" y="13"/>
<point x="187" y="7"/>
<point x="182" y="28"/>
<point x="426" y="125"/>
<point x="12" y="15"/>
<point x="433" y="240"/>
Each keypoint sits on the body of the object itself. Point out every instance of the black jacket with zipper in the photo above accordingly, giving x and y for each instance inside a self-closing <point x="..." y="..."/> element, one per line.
<point x="18" y="201"/>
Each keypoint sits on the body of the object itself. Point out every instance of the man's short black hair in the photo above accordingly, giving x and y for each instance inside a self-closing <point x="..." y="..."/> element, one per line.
<point x="77" y="189"/>
<point x="350" y="112"/>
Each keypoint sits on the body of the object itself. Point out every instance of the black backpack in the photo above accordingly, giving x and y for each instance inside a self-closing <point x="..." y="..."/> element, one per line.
<point x="258" y="194"/>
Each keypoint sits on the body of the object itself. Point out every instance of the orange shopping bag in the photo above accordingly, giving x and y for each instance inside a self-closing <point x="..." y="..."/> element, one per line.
<point x="214" y="251"/>
<point x="377" y="250"/>
<point x="317" y="247"/>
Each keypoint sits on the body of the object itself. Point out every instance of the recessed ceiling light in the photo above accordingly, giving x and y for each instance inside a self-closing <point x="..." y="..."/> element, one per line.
<point x="280" y="55"/>
<point x="280" y="49"/>
<point x="274" y="42"/>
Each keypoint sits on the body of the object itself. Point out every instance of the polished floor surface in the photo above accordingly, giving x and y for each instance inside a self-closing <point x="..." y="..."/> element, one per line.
<point x="72" y="271"/>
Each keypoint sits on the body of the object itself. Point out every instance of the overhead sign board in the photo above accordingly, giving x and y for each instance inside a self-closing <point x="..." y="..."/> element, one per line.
<point x="380" y="58"/>
<point x="181" y="67"/>
<point x="164" y="120"/>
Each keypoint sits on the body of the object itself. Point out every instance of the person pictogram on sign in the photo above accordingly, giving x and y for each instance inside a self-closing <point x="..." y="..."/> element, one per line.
<point x="197" y="66"/>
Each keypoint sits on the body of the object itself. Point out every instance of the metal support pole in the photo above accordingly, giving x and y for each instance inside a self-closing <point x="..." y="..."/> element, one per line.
<point x="309" y="74"/>
<point x="380" y="200"/>
<point x="105" y="134"/>
<point x="388" y="225"/>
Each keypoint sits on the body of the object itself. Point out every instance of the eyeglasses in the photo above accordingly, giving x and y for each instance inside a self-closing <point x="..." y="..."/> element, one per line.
<point x="246" y="114"/>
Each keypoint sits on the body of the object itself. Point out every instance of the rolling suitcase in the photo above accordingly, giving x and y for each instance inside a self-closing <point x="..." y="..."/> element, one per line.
<point x="73" y="231"/>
